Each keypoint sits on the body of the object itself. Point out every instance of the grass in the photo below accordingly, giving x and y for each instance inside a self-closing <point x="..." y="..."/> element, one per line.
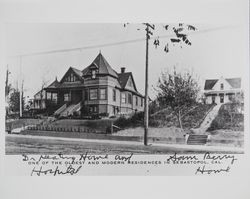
<point x="224" y="121"/>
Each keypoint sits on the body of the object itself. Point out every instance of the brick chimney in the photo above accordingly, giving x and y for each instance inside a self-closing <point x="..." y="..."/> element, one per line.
<point x="123" y="69"/>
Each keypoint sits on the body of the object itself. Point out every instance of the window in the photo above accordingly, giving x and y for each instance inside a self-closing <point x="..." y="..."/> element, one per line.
<point x="48" y="95"/>
<point x="93" y="94"/>
<point x="221" y="86"/>
<point x="123" y="98"/>
<point x="93" y="109"/>
<point x="93" y="73"/>
<point x="103" y="93"/>
<point x="136" y="101"/>
<point x="129" y="98"/>
<point x="141" y="101"/>
<point x="70" y="78"/>
<point x="114" y="95"/>
<point x="86" y="95"/>
<point x="54" y="97"/>
<point x="66" y="97"/>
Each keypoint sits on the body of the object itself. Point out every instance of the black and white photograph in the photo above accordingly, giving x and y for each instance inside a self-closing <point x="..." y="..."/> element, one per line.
<point x="100" y="92"/>
<point x="145" y="88"/>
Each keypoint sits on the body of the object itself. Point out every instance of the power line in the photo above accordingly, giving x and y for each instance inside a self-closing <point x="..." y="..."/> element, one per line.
<point x="113" y="43"/>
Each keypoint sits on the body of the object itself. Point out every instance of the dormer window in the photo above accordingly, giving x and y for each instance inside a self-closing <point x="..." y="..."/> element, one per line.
<point x="93" y="70"/>
<point x="93" y="74"/>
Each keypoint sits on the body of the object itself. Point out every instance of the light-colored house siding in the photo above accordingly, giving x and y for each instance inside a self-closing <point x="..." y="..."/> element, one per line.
<point x="222" y="91"/>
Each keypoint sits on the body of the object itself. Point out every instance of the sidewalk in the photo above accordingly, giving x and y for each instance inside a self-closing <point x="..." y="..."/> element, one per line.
<point x="208" y="120"/>
<point x="159" y="146"/>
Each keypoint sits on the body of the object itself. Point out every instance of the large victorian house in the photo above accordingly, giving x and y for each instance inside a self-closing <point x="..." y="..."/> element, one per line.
<point x="97" y="89"/>
<point x="222" y="90"/>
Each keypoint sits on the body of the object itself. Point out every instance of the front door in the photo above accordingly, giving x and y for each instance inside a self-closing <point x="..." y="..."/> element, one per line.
<point x="76" y="96"/>
<point x="221" y="98"/>
<point x="213" y="99"/>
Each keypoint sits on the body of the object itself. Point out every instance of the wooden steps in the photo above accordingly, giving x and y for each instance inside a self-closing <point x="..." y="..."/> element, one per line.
<point x="197" y="139"/>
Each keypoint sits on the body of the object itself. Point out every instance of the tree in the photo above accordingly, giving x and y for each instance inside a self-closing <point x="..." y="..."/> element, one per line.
<point x="14" y="102"/>
<point x="236" y="106"/>
<point x="179" y="91"/>
<point x="180" y="37"/>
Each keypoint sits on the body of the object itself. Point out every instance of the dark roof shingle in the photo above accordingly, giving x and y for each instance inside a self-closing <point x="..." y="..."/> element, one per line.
<point x="209" y="84"/>
<point x="123" y="78"/>
<point x="103" y="67"/>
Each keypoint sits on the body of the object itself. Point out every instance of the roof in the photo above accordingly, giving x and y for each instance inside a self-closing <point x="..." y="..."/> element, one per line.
<point x="103" y="67"/>
<point x="234" y="82"/>
<point x="77" y="72"/>
<point x="209" y="84"/>
<point x="54" y="84"/>
<point x="123" y="78"/>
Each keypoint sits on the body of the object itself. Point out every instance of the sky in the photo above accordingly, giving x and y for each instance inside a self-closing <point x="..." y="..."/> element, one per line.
<point x="217" y="50"/>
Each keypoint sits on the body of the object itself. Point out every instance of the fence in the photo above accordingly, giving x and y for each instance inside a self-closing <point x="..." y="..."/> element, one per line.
<point x="64" y="129"/>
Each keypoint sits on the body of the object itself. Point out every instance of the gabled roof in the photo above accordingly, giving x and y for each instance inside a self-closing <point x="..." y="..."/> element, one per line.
<point x="103" y="67"/>
<point x="77" y="72"/>
<point x="234" y="82"/>
<point x="123" y="79"/>
<point x="54" y="84"/>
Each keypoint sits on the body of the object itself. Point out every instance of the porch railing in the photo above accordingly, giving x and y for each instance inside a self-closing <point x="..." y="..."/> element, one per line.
<point x="61" y="109"/>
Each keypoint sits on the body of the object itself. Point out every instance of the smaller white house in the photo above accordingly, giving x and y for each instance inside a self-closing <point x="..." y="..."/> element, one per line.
<point x="39" y="100"/>
<point x="222" y="90"/>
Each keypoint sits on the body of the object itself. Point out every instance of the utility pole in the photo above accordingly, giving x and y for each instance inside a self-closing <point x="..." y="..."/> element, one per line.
<point x="146" y="92"/>
<point x="21" y="100"/>
<point x="21" y="90"/>
<point x="7" y="82"/>
<point x="148" y="33"/>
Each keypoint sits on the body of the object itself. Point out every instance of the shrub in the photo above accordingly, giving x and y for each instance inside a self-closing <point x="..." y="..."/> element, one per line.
<point x="136" y="120"/>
